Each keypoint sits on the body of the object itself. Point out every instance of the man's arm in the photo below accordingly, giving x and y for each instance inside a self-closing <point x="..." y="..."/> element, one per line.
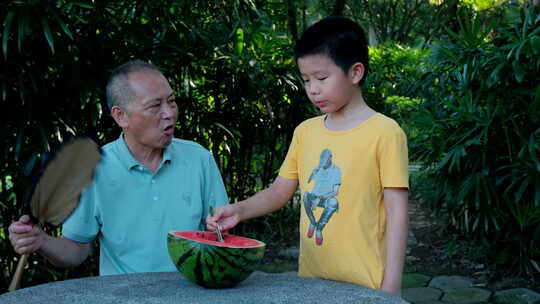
<point x="397" y="227"/>
<point x="61" y="252"/>
<point x="263" y="202"/>
<point x="64" y="252"/>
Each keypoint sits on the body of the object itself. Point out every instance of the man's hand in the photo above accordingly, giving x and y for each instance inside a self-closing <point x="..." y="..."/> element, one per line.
<point x="227" y="216"/>
<point x="26" y="237"/>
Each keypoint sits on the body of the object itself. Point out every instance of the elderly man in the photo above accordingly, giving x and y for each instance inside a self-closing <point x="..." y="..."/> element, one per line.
<point x="147" y="184"/>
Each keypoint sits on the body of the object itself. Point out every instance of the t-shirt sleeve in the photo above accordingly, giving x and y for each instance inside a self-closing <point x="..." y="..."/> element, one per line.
<point x="82" y="225"/>
<point x="394" y="160"/>
<point x="289" y="167"/>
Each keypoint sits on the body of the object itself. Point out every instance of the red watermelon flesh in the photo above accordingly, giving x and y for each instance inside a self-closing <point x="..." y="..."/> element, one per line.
<point x="203" y="260"/>
<point x="207" y="237"/>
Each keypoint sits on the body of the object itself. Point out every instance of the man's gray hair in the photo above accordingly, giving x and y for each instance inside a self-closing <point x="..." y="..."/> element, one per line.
<point x="119" y="91"/>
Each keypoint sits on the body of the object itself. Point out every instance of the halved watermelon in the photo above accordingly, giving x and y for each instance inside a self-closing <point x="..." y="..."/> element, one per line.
<point x="205" y="261"/>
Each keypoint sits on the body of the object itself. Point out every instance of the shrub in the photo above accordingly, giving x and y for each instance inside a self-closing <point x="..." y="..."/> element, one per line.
<point x="391" y="82"/>
<point x="480" y="135"/>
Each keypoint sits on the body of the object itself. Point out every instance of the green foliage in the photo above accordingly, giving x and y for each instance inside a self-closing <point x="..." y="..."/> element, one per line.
<point x="475" y="102"/>
<point x="481" y="135"/>
<point x="392" y="80"/>
<point x="229" y="63"/>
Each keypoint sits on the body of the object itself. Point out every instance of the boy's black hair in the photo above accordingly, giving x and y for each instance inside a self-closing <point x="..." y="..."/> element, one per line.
<point x="339" y="38"/>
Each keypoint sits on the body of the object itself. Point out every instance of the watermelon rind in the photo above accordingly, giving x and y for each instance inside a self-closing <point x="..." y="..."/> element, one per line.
<point x="213" y="265"/>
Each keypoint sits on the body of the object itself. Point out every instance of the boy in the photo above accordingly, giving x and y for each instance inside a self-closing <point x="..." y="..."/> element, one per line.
<point x="351" y="164"/>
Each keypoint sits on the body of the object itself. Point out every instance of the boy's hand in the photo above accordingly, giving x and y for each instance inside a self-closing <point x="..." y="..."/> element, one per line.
<point x="24" y="236"/>
<point x="227" y="216"/>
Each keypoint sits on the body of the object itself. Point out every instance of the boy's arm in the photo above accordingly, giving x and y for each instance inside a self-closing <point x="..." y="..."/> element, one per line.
<point x="263" y="202"/>
<point x="397" y="226"/>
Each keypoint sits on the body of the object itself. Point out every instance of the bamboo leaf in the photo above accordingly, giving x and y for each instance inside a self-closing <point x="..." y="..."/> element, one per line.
<point x="512" y="49"/>
<point x="44" y="139"/>
<point x="494" y="75"/>
<point x="62" y="24"/>
<point x="443" y="161"/>
<point x="47" y="32"/>
<point x="532" y="147"/>
<point x="521" y="45"/>
<point x="18" y="144"/>
<point x="519" y="71"/>
<point x="535" y="32"/>
<point x="524" y="184"/>
<point x="239" y="45"/>
<point x="23" y="25"/>
<point x="451" y="33"/>
<point x="5" y="34"/>
<point x="535" y="44"/>
<point x="475" y="223"/>
<point x="29" y="165"/>
<point x="84" y="5"/>
<point x="526" y="23"/>
<point x="535" y="265"/>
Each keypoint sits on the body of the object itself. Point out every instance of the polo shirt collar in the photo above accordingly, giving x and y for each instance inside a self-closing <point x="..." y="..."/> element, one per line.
<point x="127" y="158"/>
<point x="167" y="154"/>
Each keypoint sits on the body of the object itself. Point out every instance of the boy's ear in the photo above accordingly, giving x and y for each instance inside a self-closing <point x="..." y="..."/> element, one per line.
<point x="356" y="72"/>
<point x="120" y="116"/>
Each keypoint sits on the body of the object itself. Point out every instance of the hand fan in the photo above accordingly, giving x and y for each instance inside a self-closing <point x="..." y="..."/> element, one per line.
<point x="57" y="188"/>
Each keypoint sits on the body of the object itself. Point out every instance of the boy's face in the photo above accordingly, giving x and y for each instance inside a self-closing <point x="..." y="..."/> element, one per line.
<point x="327" y="86"/>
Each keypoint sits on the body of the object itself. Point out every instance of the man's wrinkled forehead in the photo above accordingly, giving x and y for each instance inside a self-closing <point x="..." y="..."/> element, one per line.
<point x="150" y="85"/>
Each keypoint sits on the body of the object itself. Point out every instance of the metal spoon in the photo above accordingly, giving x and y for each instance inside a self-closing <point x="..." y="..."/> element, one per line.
<point x="218" y="230"/>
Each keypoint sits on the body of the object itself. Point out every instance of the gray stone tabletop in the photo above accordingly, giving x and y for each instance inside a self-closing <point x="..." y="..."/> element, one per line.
<point x="171" y="287"/>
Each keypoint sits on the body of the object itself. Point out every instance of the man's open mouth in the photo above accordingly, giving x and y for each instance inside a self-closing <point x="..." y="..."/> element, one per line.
<point x="168" y="130"/>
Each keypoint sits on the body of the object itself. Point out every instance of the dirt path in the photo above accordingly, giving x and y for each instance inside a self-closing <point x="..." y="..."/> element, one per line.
<point x="432" y="251"/>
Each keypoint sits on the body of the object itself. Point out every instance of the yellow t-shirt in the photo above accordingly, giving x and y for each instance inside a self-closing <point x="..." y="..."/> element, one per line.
<point x="342" y="175"/>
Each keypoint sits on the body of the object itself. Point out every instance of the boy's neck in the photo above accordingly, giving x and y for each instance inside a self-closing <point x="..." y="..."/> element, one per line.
<point x="350" y="115"/>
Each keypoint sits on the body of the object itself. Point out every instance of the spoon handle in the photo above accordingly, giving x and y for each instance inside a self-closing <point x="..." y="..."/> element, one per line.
<point x="219" y="235"/>
<point x="218" y="230"/>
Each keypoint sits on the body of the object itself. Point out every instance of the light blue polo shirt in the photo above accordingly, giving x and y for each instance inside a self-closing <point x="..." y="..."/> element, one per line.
<point x="131" y="210"/>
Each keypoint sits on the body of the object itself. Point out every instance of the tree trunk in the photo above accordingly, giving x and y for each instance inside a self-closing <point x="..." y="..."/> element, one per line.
<point x="452" y="22"/>
<point x="339" y="6"/>
<point x="291" y="20"/>
<point x="372" y="36"/>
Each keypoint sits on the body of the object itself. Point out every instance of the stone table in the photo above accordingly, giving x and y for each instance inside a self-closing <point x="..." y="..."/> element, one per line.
<point x="171" y="287"/>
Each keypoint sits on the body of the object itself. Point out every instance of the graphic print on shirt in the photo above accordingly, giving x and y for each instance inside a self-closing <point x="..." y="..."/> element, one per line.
<point x="327" y="179"/>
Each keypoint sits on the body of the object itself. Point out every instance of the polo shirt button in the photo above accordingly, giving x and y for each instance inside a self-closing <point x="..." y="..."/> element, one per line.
<point x="155" y="198"/>
<point x="153" y="181"/>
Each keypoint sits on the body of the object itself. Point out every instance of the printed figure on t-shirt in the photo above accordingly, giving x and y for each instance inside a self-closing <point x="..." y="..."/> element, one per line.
<point x="328" y="179"/>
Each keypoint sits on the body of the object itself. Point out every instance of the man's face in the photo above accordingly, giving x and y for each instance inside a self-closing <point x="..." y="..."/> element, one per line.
<point x="151" y="117"/>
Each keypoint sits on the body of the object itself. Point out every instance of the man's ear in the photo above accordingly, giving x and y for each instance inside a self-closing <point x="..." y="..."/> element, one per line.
<point x="356" y="72"/>
<point x="120" y="116"/>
